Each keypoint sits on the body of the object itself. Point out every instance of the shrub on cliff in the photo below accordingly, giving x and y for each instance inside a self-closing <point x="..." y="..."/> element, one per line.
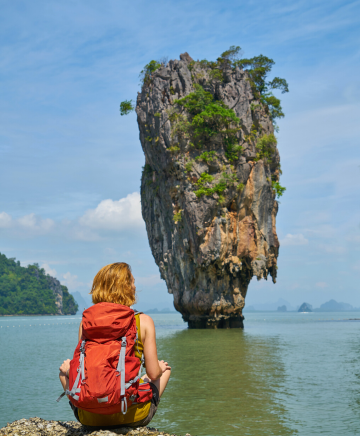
<point x="209" y="117"/>
<point x="258" y="69"/>
<point x="126" y="107"/>
<point x="146" y="72"/>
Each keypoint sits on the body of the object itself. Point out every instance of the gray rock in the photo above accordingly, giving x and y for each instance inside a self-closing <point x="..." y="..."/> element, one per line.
<point x="208" y="254"/>
<point x="40" y="427"/>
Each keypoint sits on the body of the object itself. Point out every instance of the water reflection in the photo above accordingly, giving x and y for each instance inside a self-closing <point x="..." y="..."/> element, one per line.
<point x="223" y="382"/>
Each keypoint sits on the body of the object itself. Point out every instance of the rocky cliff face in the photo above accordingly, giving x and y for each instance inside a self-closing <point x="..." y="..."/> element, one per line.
<point x="209" y="206"/>
<point x="56" y="288"/>
<point x="64" y="301"/>
<point x="54" y="285"/>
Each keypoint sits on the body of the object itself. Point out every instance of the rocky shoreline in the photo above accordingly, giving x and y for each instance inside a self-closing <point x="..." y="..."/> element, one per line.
<point x="41" y="427"/>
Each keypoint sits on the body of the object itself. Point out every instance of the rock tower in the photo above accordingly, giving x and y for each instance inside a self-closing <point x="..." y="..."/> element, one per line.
<point x="207" y="188"/>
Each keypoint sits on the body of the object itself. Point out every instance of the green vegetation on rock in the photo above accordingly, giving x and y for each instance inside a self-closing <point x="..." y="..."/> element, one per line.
<point x="205" y="187"/>
<point x="177" y="216"/>
<point x="265" y="147"/>
<point x="207" y="156"/>
<point x="210" y="117"/>
<point x="233" y="151"/>
<point x="126" y="107"/>
<point x="147" y="169"/>
<point x="258" y="69"/>
<point x="30" y="291"/>
<point x="189" y="166"/>
<point x="145" y="74"/>
<point x="173" y="149"/>
<point x="279" y="190"/>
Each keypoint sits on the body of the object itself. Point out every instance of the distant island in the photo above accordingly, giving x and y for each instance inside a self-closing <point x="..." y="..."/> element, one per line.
<point x="334" y="306"/>
<point x="284" y="306"/>
<point x="153" y="311"/>
<point x="30" y="291"/>
<point x="305" y="307"/>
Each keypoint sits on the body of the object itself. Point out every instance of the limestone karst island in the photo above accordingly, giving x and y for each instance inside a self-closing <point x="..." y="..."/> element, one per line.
<point x="210" y="180"/>
<point x="30" y="291"/>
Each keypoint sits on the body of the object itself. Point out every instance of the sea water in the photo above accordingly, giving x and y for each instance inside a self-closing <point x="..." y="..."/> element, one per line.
<point x="284" y="374"/>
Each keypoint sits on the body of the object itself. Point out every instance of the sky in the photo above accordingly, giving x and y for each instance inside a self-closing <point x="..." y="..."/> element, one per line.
<point x="70" y="166"/>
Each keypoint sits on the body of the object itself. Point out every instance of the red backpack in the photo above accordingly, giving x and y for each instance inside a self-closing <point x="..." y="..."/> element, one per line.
<point x="104" y="372"/>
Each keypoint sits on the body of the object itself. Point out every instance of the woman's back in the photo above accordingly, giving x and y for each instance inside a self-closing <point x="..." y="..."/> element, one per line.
<point x="115" y="284"/>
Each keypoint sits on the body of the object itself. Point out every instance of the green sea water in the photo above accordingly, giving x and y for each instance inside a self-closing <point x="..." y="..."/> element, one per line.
<point x="284" y="374"/>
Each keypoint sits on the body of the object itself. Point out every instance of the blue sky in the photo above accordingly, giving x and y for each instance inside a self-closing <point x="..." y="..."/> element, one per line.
<point x="70" y="165"/>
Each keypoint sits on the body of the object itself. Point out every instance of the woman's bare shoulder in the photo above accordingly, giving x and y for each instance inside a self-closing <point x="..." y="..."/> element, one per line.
<point x="146" y="320"/>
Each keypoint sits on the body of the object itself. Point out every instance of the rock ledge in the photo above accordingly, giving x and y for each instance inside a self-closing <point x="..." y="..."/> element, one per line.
<point x="41" y="427"/>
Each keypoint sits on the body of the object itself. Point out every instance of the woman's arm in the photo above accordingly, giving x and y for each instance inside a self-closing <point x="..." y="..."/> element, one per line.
<point x="154" y="368"/>
<point x="65" y="367"/>
<point x="80" y="331"/>
<point x="64" y="374"/>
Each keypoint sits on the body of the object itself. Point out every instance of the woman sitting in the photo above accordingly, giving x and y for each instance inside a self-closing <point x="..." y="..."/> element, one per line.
<point x="114" y="291"/>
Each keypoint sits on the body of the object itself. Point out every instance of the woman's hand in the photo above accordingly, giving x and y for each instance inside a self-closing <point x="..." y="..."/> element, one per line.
<point x="164" y="366"/>
<point x="65" y="366"/>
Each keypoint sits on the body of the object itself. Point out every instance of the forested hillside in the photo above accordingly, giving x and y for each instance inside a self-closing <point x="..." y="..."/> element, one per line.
<point x="27" y="291"/>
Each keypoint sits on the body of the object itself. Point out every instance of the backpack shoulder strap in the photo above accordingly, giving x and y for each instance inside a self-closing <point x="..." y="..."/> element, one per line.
<point x="137" y="312"/>
<point x="80" y="375"/>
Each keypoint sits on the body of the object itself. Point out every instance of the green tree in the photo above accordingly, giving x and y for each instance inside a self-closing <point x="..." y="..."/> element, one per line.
<point x="146" y="72"/>
<point x="258" y="69"/>
<point x="126" y="107"/>
<point x="278" y="189"/>
<point x="230" y="56"/>
<point x="210" y="117"/>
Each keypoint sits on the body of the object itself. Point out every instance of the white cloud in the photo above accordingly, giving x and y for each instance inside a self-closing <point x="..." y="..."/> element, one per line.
<point x="48" y="270"/>
<point x="115" y="214"/>
<point x="109" y="215"/>
<point x="33" y="222"/>
<point x="297" y="239"/>
<point x="321" y="285"/>
<point x="71" y="281"/>
<point x="332" y="249"/>
<point x="149" y="280"/>
<point x="5" y="220"/>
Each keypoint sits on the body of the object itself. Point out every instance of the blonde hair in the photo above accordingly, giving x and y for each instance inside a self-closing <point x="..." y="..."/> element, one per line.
<point x="114" y="284"/>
